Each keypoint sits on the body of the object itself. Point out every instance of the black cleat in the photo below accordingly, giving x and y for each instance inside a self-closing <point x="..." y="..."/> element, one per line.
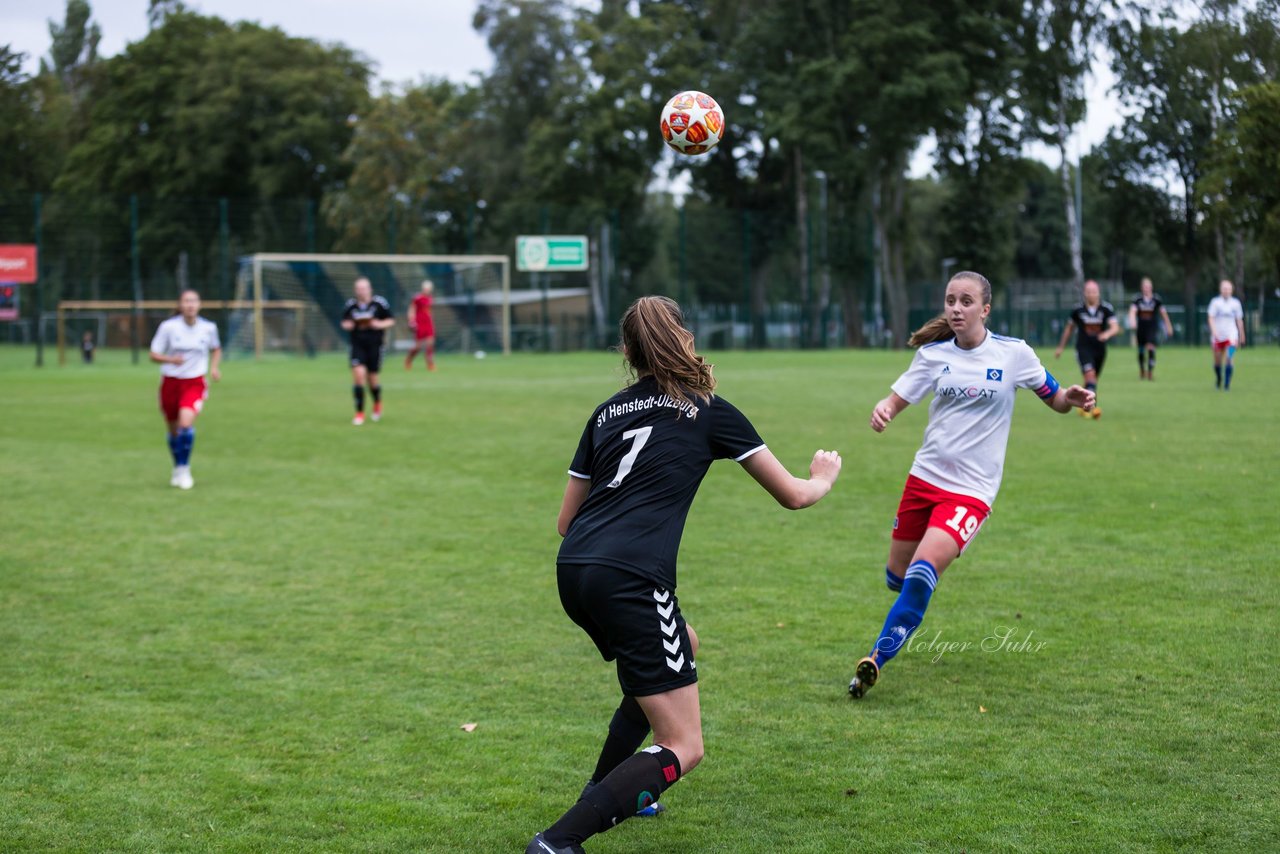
<point x="864" y="677"/>
<point x="542" y="846"/>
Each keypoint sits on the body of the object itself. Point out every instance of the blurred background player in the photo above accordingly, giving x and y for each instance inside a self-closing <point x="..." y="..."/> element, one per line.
<point x="367" y="317"/>
<point x="187" y="347"/>
<point x="1097" y="324"/>
<point x="1226" y="332"/>
<point x="953" y="482"/>
<point x="87" y="347"/>
<point x="424" y="328"/>
<point x="1146" y="313"/>
<point x="638" y="466"/>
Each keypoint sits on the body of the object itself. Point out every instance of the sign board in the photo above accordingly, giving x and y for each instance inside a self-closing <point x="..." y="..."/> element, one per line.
<point x="8" y="301"/>
<point x="18" y="263"/>
<point x="549" y="253"/>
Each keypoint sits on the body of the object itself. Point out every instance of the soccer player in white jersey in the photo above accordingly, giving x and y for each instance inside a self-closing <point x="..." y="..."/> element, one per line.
<point x="187" y="347"/>
<point x="1226" y="331"/>
<point x="973" y="374"/>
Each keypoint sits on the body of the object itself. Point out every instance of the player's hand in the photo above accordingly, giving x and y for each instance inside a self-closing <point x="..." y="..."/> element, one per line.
<point x="881" y="416"/>
<point x="825" y="466"/>
<point x="216" y="374"/>
<point x="177" y="359"/>
<point x="1081" y="397"/>
<point x="1057" y="354"/>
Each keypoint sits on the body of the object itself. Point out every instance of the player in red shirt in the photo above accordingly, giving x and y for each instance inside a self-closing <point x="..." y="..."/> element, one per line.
<point x="424" y="328"/>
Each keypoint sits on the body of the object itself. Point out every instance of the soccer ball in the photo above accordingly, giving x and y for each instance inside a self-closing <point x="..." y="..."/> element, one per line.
<point x="692" y="123"/>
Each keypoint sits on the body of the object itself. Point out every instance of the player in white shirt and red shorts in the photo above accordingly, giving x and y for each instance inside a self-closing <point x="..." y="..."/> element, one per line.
<point x="1226" y="331"/>
<point x="972" y="373"/>
<point x="187" y="348"/>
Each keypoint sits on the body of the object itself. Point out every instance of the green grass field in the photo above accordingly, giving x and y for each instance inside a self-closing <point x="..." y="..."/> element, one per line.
<point x="282" y="659"/>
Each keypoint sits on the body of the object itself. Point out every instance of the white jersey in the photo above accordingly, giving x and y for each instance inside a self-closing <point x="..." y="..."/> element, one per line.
<point x="1223" y="314"/>
<point x="193" y="341"/>
<point x="968" y="430"/>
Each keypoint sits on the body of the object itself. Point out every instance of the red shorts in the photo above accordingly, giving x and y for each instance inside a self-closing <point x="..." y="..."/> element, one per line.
<point x="925" y="506"/>
<point x="1221" y="346"/>
<point x="178" y="394"/>
<point x="425" y="328"/>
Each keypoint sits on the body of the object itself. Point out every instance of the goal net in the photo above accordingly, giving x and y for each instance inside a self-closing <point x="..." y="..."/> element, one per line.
<point x="471" y="306"/>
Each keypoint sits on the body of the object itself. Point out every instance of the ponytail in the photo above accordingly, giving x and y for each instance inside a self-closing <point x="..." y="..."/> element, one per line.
<point x="939" y="329"/>
<point x="656" y="342"/>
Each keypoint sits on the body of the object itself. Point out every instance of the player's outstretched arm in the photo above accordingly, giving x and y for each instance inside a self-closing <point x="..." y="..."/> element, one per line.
<point x="1132" y="322"/>
<point x="1065" y="398"/>
<point x="215" y="364"/>
<point x="575" y="492"/>
<point x="794" y="493"/>
<point x="1113" y="329"/>
<point x="886" y="410"/>
<point x="1168" y="324"/>
<point x="1066" y="336"/>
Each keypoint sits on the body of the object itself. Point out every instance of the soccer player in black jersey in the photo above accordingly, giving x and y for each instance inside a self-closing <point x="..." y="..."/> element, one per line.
<point x="1146" y="313"/>
<point x="1097" y="324"/>
<point x="638" y="465"/>
<point x="367" y="317"/>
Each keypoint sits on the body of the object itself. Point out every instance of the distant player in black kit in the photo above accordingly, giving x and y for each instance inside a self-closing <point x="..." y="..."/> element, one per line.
<point x="641" y="458"/>
<point x="367" y="317"/>
<point x="1098" y="324"/>
<point x="1145" y="315"/>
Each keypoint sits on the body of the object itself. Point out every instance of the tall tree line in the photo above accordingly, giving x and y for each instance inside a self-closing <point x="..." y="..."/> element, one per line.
<point x="809" y="200"/>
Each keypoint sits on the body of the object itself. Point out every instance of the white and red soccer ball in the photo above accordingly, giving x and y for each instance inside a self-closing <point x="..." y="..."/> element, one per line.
<point x="692" y="123"/>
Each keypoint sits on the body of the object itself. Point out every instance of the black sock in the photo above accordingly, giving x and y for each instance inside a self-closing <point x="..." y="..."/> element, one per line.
<point x="1151" y="361"/>
<point x="1142" y="360"/>
<point x="627" y="731"/>
<point x="1217" y="369"/>
<point x="358" y="391"/>
<point x="377" y="393"/>
<point x="1093" y="387"/>
<point x="632" y="786"/>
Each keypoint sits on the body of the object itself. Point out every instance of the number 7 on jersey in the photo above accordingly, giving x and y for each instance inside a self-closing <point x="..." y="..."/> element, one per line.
<point x="638" y="437"/>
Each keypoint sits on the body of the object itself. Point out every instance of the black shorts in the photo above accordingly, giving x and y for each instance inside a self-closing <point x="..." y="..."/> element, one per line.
<point x="369" y="355"/>
<point x="631" y="620"/>
<point x="1147" y="336"/>
<point x="1091" y="357"/>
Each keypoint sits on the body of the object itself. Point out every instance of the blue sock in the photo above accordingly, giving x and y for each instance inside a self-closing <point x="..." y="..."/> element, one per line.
<point x="1230" y="371"/>
<point x="186" y="441"/>
<point x="173" y="447"/>
<point x="892" y="581"/>
<point x="1217" y="370"/>
<point x="907" y="612"/>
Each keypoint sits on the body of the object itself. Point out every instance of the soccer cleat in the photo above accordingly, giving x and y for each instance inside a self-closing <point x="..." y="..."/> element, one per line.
<point x="1084" y="413"/>
<point x="654" y="809"/>
<point x="358" y="420"/>
<point x="542" y="846"/>
<point x="183" y="475"/>
<point x="865" y="675"/>
<point x="173" y="478"/>
<point x="377" y="412"/>
<point x="1096" y="413"/>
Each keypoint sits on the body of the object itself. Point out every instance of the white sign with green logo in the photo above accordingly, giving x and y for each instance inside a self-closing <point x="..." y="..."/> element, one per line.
<point x="545" y="253"/>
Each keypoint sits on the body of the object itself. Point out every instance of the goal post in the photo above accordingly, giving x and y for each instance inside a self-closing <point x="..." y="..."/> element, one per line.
<point x="469" y="291"/>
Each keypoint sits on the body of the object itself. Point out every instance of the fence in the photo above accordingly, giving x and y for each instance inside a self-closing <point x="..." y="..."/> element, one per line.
<point x="737" y="272"/>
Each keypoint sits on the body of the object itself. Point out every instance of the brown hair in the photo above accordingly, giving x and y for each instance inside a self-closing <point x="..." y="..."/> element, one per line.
<point x="939" y="329"/>
<point x="655" y="341"/>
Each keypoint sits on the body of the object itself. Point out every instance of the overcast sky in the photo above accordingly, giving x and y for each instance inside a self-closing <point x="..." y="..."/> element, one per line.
<point x="406" y="39"/>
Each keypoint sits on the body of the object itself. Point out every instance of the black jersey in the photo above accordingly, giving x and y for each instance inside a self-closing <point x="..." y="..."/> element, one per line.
<point x="645" y="455"/>
<point x="376" y="308"/>
<point x="1090" y="322"/>
<point x="1147" y="313"/>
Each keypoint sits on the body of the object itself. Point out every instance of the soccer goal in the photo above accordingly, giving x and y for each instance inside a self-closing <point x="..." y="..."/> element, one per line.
<point x="471" y="307"/>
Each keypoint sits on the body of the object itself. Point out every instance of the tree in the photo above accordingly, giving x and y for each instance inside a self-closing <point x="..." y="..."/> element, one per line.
<point x="75" y="48"/>
<point x="1253" y="172"/>
<point x="1060" y="39"/>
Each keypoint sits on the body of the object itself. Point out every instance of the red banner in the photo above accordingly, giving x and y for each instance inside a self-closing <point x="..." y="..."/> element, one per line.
<point x="18" y="263"/>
